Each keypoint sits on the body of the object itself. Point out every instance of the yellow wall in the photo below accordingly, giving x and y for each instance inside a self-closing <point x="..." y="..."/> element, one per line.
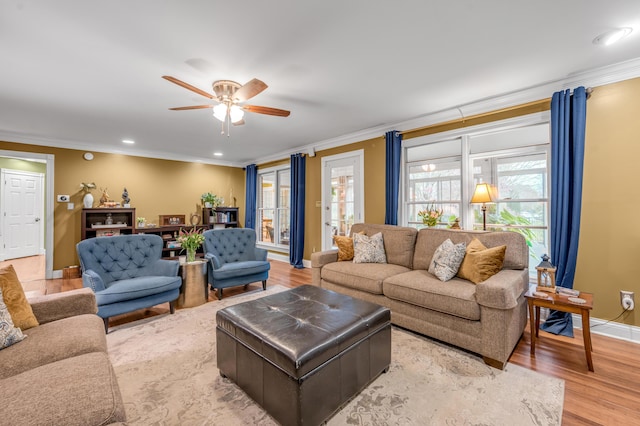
<point x="609" y="249"/>
<point x="155" y="187"/>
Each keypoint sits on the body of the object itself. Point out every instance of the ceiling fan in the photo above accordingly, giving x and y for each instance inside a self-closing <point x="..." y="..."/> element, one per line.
<point x="230" y="95"/>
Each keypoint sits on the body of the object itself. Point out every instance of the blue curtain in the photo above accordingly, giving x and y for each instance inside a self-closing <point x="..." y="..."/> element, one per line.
<point x="392" y="181"/>
<point x="568" y="119"/>
<point x="296" y="236"/>
<point x="250" y="202"/>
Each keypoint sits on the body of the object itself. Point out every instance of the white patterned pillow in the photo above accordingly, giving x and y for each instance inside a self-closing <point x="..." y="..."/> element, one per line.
<point x="8" y="333"/>
<point x="447" y="260"/>
<point x="368" y="249"/>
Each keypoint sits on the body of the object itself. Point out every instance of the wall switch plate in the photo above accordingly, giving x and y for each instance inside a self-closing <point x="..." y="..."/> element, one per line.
<point x="70" y="206"/>
<point x="63" y="198"/>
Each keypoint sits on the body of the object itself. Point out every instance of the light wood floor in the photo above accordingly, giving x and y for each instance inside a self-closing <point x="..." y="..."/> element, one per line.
<point x="608" y="396"/>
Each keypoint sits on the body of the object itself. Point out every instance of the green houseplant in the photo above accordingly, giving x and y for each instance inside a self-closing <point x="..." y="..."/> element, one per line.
<point x="211" y="200"/>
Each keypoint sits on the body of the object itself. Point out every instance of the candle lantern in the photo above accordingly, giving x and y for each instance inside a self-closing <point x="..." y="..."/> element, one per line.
<point x="546" y="275"/>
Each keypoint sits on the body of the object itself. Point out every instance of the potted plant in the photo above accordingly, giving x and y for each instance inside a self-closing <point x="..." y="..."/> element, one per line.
<point x="190" y="241"/>
<point x="430" y="216"/>
<point x="211" y="200"/>
<point x="140" y="221"/>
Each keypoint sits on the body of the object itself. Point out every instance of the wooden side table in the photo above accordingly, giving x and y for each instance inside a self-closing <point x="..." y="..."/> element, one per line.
<point x="561" y="303"/>
<point x="194" y="291"/>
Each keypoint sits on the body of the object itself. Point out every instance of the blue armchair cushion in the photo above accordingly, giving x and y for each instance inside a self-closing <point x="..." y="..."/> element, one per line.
<point x="136" y="288"/>
<point x="239" y="269"/>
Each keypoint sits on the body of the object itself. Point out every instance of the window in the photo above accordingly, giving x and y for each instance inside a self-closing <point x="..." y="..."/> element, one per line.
<point x="274" y="196"/>
<point x="442" y="172"/>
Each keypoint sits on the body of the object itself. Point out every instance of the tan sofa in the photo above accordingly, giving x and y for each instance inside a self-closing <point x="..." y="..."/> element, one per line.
<point x="488" y="318"/>
<point x="61" y="373"/>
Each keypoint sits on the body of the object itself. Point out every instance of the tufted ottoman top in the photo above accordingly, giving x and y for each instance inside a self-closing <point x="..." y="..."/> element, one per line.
<point x="300" y="329"/>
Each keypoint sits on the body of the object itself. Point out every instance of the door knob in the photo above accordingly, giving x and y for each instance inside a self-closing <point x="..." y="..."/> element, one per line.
<point x="327" y="223"/>
<point x="37" y="219"/>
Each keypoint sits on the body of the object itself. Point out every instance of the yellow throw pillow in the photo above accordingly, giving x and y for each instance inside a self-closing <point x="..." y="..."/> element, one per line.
<point x="14" y="298"/>
<point x="345" y="247"/>
<point x="481" y="263"/>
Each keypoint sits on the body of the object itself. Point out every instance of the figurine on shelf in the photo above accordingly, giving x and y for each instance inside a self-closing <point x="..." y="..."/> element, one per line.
<point x="125" y="198"/>
<point x="105" y="196"/>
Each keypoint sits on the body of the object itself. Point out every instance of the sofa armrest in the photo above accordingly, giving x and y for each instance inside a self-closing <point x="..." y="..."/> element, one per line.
<point x="504" y="289"/>
<point x="166" y="268"/>
<point x="92" y="280"/>
<point x="261" y="254"/>
<point x="213" y="260"/>
<point x="321" y="258"/>
<point x="53" y="307"/>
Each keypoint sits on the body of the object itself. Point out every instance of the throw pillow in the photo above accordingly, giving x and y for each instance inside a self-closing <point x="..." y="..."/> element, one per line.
<point x="9" y="334"/>
<point x="14" y="298"/>
<point x="481" y="263"/>
<point x="345" y="247"/>
<point x="447" y="259"/>
<point x="368" y="249"/>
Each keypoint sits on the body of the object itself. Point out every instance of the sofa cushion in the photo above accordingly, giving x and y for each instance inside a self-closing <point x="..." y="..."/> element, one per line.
<point x="361" y="276"/>
<point x="481" y="263"/>
<point x="456" y="297"/>
<point x="52" y="342"/>
<point x="14" y="298"/>
<point x="428" y="240"/>
<point x="399" y="241"/>
<point x="136" y="288"/>
<point x="76" y="391"/>
<point x="368" y="249"/>
<point x="345" y="247"/>
<point x="447" y="259"/>
<point x="240" y="269"/>
<point x="9" y="334"/>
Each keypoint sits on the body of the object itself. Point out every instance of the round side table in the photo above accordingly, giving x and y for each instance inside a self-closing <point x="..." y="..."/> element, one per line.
<point x="193" y="291"/>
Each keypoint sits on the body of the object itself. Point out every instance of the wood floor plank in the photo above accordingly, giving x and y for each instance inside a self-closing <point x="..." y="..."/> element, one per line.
<point x="608" y="396"/>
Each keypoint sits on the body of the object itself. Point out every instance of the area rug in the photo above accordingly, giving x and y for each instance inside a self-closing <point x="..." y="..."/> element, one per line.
<point x="166" y="369"/>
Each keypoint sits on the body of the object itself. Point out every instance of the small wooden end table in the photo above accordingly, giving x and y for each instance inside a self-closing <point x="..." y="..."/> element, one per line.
<point x="561" y="303"/>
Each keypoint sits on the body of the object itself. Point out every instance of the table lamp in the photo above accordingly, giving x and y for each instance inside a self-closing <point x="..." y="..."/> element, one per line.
<point x="483" y="195"/>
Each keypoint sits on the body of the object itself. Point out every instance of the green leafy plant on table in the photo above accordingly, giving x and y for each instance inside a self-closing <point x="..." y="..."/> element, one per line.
<point x="190" y="241"/>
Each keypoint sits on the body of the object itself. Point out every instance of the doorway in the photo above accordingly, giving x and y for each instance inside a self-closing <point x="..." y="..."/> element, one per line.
<point x="342" y="194"/>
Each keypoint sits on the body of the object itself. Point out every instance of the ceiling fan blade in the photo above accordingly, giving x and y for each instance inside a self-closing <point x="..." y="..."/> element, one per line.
<point x="191" y="107"/>
<point x="266" y="110"/>
<point x="187" y="86"/>
<point x="238" y="123"/>
<point x="249" y="90"/>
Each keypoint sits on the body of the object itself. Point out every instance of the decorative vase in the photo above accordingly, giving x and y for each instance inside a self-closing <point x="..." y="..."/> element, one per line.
<point x="87" y="201"/>
<point x="191" y="255"/>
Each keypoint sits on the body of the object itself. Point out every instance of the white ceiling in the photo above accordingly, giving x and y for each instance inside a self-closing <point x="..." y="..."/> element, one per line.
<point x="87" y="74"/>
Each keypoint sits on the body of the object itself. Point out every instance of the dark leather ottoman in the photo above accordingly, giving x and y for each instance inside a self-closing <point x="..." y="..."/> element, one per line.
<point x="303" y="353"/>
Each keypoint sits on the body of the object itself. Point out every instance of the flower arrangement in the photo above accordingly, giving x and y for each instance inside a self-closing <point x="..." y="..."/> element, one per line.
<point x="212" y="199"/>
<point x="190" y="241"/>
<point x="431" y="215"/>
<point x="87" y="187"/>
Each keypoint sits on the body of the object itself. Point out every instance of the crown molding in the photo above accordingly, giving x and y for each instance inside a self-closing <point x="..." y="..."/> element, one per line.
<point x="591" y="78"/>
<point x="84" y="146"/>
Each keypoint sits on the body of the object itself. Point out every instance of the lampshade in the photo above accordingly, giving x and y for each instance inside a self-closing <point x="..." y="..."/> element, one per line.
<point x="482" y="194"/>
<point x="220" y="112"/>
<point x="236" y="113"/>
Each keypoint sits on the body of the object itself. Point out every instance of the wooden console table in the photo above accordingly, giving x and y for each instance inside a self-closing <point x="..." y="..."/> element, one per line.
<point x="561" y="303"/>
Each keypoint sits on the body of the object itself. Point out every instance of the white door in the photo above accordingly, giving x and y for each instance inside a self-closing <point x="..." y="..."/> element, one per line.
<point x="22" y="213"/>
<point x="342" y="194"/>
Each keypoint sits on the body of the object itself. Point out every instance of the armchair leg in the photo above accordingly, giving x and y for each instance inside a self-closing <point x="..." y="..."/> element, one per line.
<point x="106" y="325"/>
<point x="219" y="294"/>
<point x="172" y="307"/>
<point x="264" y="285"/>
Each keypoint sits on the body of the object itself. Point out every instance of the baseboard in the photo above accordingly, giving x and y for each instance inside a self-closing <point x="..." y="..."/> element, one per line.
<point x="630" y="333"/>
<point x="285" y="258"/>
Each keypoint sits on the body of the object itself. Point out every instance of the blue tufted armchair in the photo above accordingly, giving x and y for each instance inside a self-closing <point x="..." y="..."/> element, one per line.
<point x="234" y="258"/>
<point x="126" y="273"/>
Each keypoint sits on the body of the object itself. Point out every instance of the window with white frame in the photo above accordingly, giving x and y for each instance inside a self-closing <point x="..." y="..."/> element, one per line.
<point x="441" y="173"/>
<point x="274" y="195"/>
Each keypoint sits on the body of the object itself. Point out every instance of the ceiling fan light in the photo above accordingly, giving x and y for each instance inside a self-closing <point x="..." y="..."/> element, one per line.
<point x="236" y="113"/>
<point x="220" y="112"/>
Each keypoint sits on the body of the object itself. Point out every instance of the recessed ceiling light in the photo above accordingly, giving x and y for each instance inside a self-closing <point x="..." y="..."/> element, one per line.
<point x="217" y="154"/>
<point x="128" y="141"/>
<point x="612" y="36"/>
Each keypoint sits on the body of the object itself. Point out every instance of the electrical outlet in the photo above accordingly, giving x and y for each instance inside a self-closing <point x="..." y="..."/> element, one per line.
<point x="628" y="294"/>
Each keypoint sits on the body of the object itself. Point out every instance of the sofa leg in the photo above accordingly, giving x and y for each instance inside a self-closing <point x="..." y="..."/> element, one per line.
<point x="219" y="294"/>
<point x="264" y="285"/>
<point x="494" y="363"/>
<point x="172" y="307"/>
<point x="106" y="325"/>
